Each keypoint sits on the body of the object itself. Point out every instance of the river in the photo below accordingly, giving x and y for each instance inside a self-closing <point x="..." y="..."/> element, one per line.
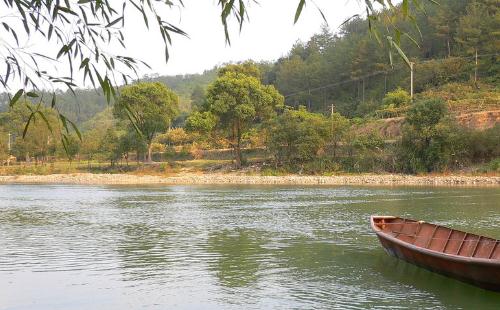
<point x="227" y="247"/>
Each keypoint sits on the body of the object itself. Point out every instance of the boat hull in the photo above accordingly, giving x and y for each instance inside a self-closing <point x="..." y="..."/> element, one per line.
<point x="484" y="273"/>
<point x="486" y="277"/>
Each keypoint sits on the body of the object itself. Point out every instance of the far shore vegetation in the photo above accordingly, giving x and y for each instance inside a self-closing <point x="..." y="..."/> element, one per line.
<point x="332" y="105"/>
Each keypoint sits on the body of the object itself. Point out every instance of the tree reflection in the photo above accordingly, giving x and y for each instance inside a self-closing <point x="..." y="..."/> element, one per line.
<point x="307" y="258"/>
<point x="238" y="256"/>
<point x="143" y="251"/>
<point x="452" y="293"/>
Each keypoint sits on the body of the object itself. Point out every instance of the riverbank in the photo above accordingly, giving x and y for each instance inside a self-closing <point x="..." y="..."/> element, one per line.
<point x="220" y="179"/>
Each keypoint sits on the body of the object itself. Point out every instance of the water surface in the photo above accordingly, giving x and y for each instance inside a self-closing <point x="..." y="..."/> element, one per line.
<point x="240" y="247"/>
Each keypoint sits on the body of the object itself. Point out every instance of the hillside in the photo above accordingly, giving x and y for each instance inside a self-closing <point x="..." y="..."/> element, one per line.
<point x="473" y="107"/>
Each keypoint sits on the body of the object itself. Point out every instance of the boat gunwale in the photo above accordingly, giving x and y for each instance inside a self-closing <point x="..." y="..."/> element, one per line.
<point x="453" y="257"/>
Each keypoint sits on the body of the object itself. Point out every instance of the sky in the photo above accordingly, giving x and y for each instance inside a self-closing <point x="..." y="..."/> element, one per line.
<point x="269" y="34"/>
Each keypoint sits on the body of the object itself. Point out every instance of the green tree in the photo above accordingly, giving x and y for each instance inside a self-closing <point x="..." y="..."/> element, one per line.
<point x="82" y="32"/>
<point x="248" y="68"/>
<point x="108" y="146"/>
<point x="339" y="126"/>
<point x="37" y="140"/>
<point x="4" y="148"/>
<point x="131" y="141"/>
<point x="198" y="98"/>
<point x="72" y="147"/>
<point x="396" y="98"/>
<point x="430" y="141"/>
<point x="174" y="136"/>
<point x="90" y="144"/>
<point x="296" y="136"/>
<point x="239" y="101"/>
<point x="150" y="106"/>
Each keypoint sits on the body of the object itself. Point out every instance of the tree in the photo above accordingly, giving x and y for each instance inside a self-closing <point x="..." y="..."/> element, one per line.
<point x="474" y="29"/>
<point x="444" y="21"/>
<point x="396" y="98"/>
<point x="130" y="141"/>
<point x="430" y="141"/>
<point x="339" y="126"/>
<point x="249" y="68"/>
<point x="108" y="146"/>
<point x="37" y="140"/>
<point x="296" y="136"/>
<point x="238" y="101"/>
<point x="81" y="29"/>
<point x="198" y="98"/>
<point x="175" y="136"/>
<point x="151" y="108"/>
<point x="99" y="23"/>
<point x="72" y="147"/>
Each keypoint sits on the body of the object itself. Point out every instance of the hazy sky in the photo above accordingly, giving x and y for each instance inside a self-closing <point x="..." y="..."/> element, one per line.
<point x="268" y="35"/>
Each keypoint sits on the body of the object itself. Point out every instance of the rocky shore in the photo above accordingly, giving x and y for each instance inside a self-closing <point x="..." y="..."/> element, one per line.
<point x="200" y="179"/>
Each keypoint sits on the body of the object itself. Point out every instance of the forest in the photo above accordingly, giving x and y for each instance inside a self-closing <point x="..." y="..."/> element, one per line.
<point x="341" y="102"/>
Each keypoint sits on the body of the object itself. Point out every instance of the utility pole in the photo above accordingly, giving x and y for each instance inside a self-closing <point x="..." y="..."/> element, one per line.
<point x="331" y="118"/>
<point x="411" y="80"/>
<point x="8" y="145"/>
<point x="363" y="91"/>
<point x="385" y="83"/>
<point x="475" y="71"/>
<point x="309" y="99"/>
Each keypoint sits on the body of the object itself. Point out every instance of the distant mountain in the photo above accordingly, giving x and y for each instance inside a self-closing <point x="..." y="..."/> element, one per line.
<point x="89" y="102"/>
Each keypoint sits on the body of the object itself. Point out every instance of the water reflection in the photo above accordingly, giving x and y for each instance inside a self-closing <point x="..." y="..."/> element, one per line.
<point x="144" y="252"/>
<point x="226" y="247"/>
<point x="238" y="256"/>
<point x="451" y="294"/>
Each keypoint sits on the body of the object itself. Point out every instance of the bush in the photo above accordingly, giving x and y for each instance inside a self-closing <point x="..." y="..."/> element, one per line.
<point x="484" y="145"/>
<point x="431" y="141"/>
<point x="396" y="98"/>
<point x="175" y="136"/>
<point x="366" y="152"/>
<point x="297" y="136"/>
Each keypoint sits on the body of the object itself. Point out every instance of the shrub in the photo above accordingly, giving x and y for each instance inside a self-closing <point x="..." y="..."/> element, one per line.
<point x="396" y="98"/>
<point x="297" y="136"/>
<point x="431" y="141"/>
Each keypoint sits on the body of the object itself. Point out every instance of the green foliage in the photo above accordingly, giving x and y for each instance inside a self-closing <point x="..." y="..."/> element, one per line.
<point x="72" y="147"/>
<point x="240" y="101"/>
<point x="38" y="140"/>
<point x="430" y="141"/>
<point x="484" y="145"/>
<point x="339" y="127"/>
<point x="352" y="72"/>
<point x="149" y="106"/>
<point x="108" y="146"/>
<point x="248" y="68"/>
<point x="297" y="136"/>
<point x="198" y="100"/>
<point x="131" y="141"/>
<point x="396" y="98"/>
<point x="365" y="153"/>
<point x="203" y="122"/>
<point x="492" y="166"/>
<point x="175" y="136"/>
<point x="475" y="26"/>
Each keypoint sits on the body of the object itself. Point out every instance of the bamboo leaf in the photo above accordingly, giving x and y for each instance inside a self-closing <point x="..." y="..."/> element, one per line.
<point x="45" y="120"/>
<point x="299" y="10"/>
<point x="16" y="97"/>
<point x="28" y="124"/>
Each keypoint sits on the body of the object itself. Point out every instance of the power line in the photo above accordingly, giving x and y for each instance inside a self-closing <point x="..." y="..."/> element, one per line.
<point x="309" y="90"/>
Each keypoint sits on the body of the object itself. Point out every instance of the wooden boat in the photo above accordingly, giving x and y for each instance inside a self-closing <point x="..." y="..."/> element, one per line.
<point x="467" y="257"/>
